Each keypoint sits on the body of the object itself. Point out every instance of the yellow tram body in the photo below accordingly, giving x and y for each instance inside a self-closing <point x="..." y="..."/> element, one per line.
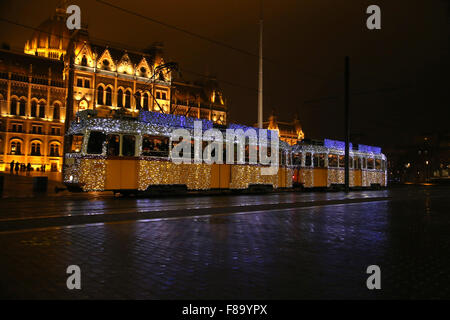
<point x="132" y="155"/>
<point x="122" y="172"/>
<point x="322" y="166"/>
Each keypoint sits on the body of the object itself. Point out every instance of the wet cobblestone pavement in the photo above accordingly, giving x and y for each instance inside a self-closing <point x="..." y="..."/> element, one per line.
<point x="315" y="252"/>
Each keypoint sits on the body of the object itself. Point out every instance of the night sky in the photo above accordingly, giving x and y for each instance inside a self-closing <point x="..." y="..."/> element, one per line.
<point x="399" y="74"/>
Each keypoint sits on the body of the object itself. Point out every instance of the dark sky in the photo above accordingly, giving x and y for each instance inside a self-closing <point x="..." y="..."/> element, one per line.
<point x="404" y="66"/>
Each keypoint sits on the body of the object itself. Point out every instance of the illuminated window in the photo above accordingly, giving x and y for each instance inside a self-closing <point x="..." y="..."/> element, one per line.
<point x="36" y="149"/>
<point x="54" y="150"/>
<point x="15" y="148"/>
<point x="332" y="161"/>
<point x="83" y="105"/>
<point x="155" y="146"/>
<point x="341" y="161"/>
<point x="76" y="142"/>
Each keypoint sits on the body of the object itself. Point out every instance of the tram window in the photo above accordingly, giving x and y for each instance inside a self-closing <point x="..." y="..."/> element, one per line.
<point x="332" y="160"/>
<point x="364" y="163"/>
<point x="308" y="159"/>
<point x="370" y="164"/>
<point x="95" y="143"/>
<point x="357" y="163"/>
<point x="378" y="164"/>
<point x="76" y="143"/>
<point x="315" y="160"/>
<point x="297" y="159"/>
<point x="156" y="146"/>
<point x="321" y="160"/>
<point x="383" y="165"/>
<point x="113" y="147"/>
<point x="128" y="145"/>
<point x="341" y="161"/>
<point x="350" y="164"/>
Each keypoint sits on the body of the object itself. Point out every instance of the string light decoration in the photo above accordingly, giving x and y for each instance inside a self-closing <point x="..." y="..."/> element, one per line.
<point x="337" y="175"/>
<point x="89" y="171"/>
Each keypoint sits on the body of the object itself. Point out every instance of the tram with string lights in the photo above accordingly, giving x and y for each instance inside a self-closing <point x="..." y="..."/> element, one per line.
<point x="132" y="156"/>
<point x="320" y="164"/>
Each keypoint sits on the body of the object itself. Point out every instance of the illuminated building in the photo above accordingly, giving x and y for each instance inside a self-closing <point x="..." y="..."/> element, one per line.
<point x="33" y="90"/>
<point x="32" y="104"/>
<point x="290" y="132"/>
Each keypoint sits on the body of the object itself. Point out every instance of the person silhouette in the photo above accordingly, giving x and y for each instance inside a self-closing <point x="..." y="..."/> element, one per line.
<point x="11" y="166"/>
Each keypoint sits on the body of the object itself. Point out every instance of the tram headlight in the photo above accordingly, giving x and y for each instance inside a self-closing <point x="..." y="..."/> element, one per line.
<point x="71" y="178"/>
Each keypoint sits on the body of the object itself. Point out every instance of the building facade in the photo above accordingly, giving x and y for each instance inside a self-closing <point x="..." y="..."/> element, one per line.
<point x="289" y="132"/>
<point x="34" y="88"/>
<point x="32" y="106"/>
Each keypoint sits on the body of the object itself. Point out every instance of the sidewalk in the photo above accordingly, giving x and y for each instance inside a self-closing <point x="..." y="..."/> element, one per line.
<point x="20" y="185"/>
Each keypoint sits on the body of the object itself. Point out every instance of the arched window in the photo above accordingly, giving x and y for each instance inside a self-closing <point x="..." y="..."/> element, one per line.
<point x="54" y="150"/>
<point x="84" y="61"/>
<point x="41" y="109"/>
<point x="146" y="101"/>
<point x="100" y="95"/>
<point x="35" y="148"/>
<point x="56" y="112"/>
<point x="22" y="105"/>
<point x="33" y="108"/>
<point x="108" y="99"/>
<point x="15" y="148"/>
<point x="137" y="96"/>
<point x="120" y="98"/>
<point x="13" y="108"/>
<point x="83" y="105"/>
<point x="128" y="99"/>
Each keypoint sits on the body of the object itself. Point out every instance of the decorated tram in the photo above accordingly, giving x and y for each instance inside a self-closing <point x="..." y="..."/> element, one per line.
<point x="321" y="164"/>
<point x="133" y="155"/>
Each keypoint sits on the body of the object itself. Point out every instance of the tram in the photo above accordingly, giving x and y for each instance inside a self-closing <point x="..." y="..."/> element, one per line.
<point x="132" y="156"/>
<point x="321" y="164"/>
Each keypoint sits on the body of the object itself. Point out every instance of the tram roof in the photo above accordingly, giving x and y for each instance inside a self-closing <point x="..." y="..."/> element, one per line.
<point x="153" y="123"/>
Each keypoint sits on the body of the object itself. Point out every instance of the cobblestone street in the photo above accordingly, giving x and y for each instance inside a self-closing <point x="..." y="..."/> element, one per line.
<point x="275" y="248"/>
